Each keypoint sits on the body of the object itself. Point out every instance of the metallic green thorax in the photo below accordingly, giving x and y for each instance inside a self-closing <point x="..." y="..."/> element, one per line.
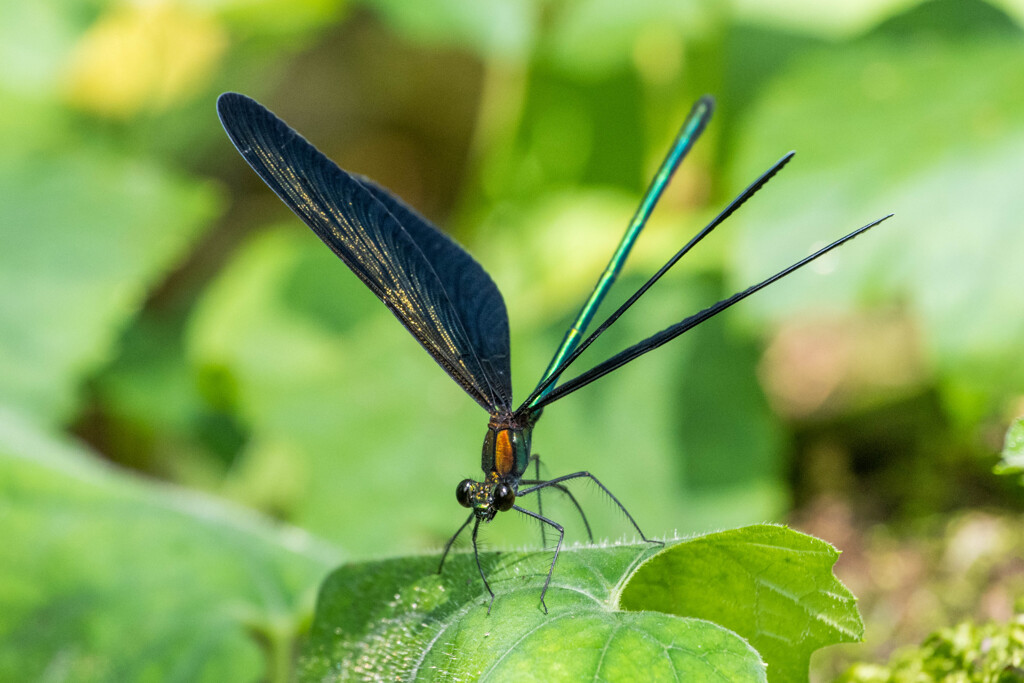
<point x="688" y="134"/>
<point x="506" y="449"/>
<point x="504" y="459"/>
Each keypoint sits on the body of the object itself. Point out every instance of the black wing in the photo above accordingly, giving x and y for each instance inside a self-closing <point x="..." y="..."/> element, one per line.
<point x="442" y="296"/>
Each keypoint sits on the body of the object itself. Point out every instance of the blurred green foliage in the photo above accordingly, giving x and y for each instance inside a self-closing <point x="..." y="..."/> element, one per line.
<point x="965" y="653"/>
<point x="912" y="579"/>
<point x="105" y="577"/>
<point x="161" y="305"/>
<point x="1013" y="450"/>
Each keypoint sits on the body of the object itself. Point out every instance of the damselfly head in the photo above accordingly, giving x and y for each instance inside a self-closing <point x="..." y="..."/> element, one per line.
<point x="486" y="498"/>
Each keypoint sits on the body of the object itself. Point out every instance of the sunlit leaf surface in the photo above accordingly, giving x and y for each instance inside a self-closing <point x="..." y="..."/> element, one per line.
<point x="772" y="585"/>
<point x="616" y="613"/>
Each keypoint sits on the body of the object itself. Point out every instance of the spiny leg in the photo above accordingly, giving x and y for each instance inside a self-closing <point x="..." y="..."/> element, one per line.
<point x="579" y="475"/>
<point x="558" y="547"/>
<point x="540" y="508"/>
<point x="448" y="545"/>
<point x="566" y="491"/>
<point x="476" y="555"/>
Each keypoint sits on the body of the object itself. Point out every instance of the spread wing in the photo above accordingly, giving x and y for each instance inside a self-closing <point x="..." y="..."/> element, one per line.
<point x="432" y="285"/>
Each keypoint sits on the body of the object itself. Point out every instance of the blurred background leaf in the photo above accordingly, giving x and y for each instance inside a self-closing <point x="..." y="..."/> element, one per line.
<point x="161" y="306"/>
<point x="85" y="238"/>
<point x="1012" y="461"/>
<point x="201" y="591"/>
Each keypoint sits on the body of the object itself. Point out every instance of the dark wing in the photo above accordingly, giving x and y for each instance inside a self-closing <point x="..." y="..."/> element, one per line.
<point x="436" y="289"/>
<point x="470" y="290"/>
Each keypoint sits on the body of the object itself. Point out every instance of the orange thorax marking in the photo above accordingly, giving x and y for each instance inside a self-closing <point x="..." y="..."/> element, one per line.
<point x="504" y="453"/>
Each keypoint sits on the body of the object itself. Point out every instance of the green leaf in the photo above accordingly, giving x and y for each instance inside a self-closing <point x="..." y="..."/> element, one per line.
<point x="492" y="28"/>
<point x="85" y="236"/>
<point x="596" y="37"/>
<point x="1013" y="450"/>
<point x="35" y="41"/>
<point x="620" y="612"/>
<point x="834" y="20"/>
<point x="268" y="18"/>
<point x="948" y="172"/>
<point x="400" y="620"/>
<point x="772" y="585"/>
<point x="104" y="576"/>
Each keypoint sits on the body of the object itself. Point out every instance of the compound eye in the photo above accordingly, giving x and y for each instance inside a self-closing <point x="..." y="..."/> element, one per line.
<point x="503" y="497"/>
<point x="463" y="493"/>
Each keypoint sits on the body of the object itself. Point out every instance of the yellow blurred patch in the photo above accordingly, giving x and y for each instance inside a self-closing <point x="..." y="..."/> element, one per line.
<point x="143" y="57"/>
